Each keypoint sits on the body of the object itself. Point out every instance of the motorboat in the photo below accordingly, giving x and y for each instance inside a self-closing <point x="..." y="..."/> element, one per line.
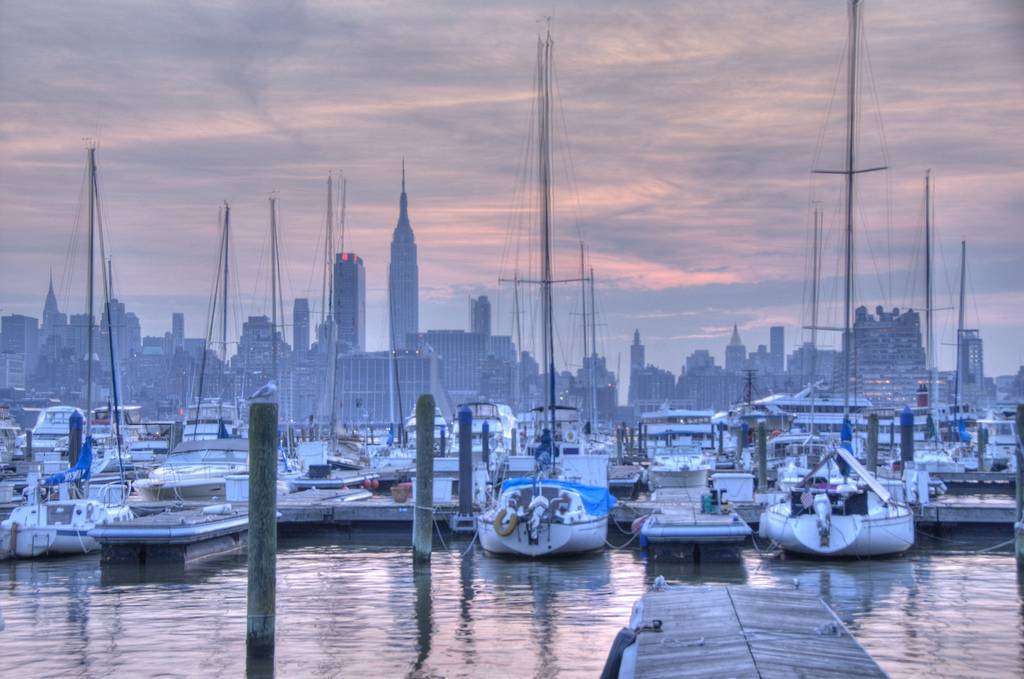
<point x="677" y="467"/>
<point x="211" y="418"/>
<point x="855" y="518"/>
<point x="10" y="432"/>
<point x="545" y="517"/>
<point x="195" y="470"/>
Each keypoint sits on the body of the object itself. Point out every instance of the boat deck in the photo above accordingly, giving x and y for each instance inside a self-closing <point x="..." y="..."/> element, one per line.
<point x="739" y="631"/>
<point x="679" y="529"/>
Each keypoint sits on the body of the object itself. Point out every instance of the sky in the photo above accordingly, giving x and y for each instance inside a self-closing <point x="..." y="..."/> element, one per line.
<point x="689" y="133"/>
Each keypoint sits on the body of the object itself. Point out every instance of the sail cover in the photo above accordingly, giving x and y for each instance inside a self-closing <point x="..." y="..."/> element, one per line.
<point x="596" y="500"/>
<point x="82" y="470"/>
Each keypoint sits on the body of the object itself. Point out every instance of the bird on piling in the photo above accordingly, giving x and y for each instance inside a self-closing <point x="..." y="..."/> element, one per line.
<point x="265" y="392"/>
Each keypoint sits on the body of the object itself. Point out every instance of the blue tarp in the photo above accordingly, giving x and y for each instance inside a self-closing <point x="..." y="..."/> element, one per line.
<point x="82" y="470"/>
<point x="596" y="500"/>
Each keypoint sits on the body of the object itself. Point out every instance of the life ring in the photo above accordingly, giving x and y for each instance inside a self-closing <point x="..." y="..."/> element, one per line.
<point x="512" y="523"/>
<point x="570" y="436"/>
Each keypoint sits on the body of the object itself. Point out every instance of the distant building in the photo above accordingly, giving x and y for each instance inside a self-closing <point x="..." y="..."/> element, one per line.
<point x="21" y="336"/>
<point x="972" y="368"/>
<point x="300" y="325"/>
<point x="177" y="331"/>
<point x="777" y="348"/>
<point x="350" y="301"/>
<point x="735" y="353"/>
<point x="637" y="362"/>
<point x="888" y="363"/>
<point x="403" y="277"/>
<point x="480" y="315"/>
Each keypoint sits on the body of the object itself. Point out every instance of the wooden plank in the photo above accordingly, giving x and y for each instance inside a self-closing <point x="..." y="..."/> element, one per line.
<point x="743" y="631"/>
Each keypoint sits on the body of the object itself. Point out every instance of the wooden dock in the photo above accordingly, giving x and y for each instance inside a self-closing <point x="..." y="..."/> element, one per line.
<point x="740" y="631"/>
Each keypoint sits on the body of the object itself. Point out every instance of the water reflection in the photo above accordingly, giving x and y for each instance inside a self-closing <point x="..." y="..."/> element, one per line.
<point x="348" y="609"/>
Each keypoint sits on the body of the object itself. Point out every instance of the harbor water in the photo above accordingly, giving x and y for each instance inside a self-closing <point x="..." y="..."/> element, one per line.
<point x="945" y="609"/>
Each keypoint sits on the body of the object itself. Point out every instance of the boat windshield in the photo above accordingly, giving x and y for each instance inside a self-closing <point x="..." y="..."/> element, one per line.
<point x="207" y="456"/>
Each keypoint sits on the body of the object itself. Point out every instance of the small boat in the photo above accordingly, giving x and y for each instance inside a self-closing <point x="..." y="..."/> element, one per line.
<point x="56" y="527"/>
<point x="677" y="467"/>
<point x="854" y="518"/>
<point x="195" y="470"/>
<point x="545" y="517"/>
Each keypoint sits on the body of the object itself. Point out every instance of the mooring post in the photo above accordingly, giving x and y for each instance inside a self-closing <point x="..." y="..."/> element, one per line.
<point x="872" y="446"/>
<point x="618" y="445"/>
<point x="262" y="586"/>
<point x="465" y="460"/>
<point x="741" y="443"/>
<point x="762" y="457"/>
<point x="982" y="447"/>
<point x="1018" y="528"/>
<point x="423" y="519"/>
<point x="28" y="446"/>
<point x="906" y="437"/>
<point x="75" y="424"/>
<point x="485" y="443"/>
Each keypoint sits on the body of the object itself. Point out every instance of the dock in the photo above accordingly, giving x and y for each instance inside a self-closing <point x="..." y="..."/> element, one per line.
<point x="737" y="631"/>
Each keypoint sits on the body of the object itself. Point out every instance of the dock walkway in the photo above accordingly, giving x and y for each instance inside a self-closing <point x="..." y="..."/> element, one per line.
<point x="740" y="631"/>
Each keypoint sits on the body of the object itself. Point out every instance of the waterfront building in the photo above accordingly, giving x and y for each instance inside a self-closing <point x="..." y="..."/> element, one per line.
<point x="463" y="354"/>
<point x="403" y="277"/>
<point x="374" y="392"/>
<point x="350" y="302"/>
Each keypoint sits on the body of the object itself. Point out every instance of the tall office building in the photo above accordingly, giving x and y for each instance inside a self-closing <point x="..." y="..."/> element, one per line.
<point x="637" y="362"/>
<point x="300" y="325"/>
<point x="889" y="360"/>
<point x="21" y="336"/>
<point x="177" y="331"/>
<point x="777" y="348"/>
<point x="54" y="321"/>
<point x="350" y="302"/>
<point x="480" y="315"/>
<point x="971" y="365"/>
<point x="403" y="277"/>
<point x="735" y="353"/>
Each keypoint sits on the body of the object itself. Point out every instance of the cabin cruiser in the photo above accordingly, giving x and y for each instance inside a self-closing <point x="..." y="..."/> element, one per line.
<point x="195" y="470"/>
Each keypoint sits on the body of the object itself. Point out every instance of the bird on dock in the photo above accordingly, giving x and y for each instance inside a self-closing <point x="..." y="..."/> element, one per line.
<point x="265" y="392"/>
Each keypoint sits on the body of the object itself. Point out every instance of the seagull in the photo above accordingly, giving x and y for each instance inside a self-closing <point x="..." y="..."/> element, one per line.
<point x="265" y="392"/>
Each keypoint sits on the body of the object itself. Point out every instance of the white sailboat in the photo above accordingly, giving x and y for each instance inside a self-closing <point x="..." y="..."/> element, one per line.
<point x="42" y="527"/>
<point x="548" y="514"/>
<point x="857" y="517"/>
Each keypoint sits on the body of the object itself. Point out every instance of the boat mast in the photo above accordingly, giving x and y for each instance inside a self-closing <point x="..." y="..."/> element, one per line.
<point x="583" y="290"/>
<point x="959" y="337"/>
<point x="929" y="341"/>
<point x="273" y="289"/>
<point x="544" y="157"/>
<point x="851" y="131"/>
<point x="88" y="290"/>
<point x="224" y="305"/>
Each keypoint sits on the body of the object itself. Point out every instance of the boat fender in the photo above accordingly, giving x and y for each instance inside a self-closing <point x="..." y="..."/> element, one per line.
<point x="217" y="509"/>
<point x="623" y="640"/>
<point x="637" y="523"/>
<point x="506" y="529"/>
<point x="570" y="436"/>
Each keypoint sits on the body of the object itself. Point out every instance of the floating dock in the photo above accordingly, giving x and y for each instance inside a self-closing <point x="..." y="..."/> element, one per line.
<point x="736" y="631"/>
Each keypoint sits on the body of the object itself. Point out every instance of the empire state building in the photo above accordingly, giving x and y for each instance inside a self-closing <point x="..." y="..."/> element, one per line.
<point x="403" y="278"/>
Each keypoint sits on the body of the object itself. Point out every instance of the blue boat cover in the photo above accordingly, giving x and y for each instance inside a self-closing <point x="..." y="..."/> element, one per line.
<point x="596" y="500"/>
<point x="82" y="470"/>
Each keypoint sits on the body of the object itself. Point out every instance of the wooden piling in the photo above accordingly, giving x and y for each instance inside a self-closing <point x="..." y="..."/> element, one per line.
<point x="423" y="519"/>
<point x="982" y="447"/>
<point x="465" y="459"/>
<point x="872" y="444"/>
<point x="762" y="456"/>
<point x="1019" y="452"/>
<point x="906" y="436"/>
<point x="262" y="585"/>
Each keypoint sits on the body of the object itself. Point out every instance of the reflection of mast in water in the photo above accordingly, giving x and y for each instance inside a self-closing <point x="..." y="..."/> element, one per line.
<point x="424" y="614"/>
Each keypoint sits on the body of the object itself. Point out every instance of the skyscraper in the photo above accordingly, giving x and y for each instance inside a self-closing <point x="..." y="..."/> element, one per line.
<point x="403" y="277"/>
<point x="350" y="301"/>
<point x="300" y="325"/>
<point x="177" y="331"/>
<point x="480" y="315"/>
<point x="735" y="353"/>
<point x="777" y="348"/>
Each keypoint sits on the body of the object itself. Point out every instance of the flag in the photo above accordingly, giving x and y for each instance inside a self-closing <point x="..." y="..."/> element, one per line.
<point x="806" y="499"/>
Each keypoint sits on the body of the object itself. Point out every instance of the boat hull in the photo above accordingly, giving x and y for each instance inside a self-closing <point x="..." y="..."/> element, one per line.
<point x="58" y="528"/>
<point x="554" y="539"/>
<point x="676" y="478"/>
<point x="876" y="534"/>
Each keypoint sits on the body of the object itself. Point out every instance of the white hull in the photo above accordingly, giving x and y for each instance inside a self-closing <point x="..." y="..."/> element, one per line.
<point x="193" y="489"/>
<point x="670" y="478"/>
<point x="885" y="530"/>
<point x="555" y="539"/>
<point x="58" y="528"/>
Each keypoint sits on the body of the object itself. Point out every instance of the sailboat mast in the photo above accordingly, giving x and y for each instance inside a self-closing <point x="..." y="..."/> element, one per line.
<point x="273" y="289"/>
<point x="960" y="334"/>
<point x="544" y="158"/>
<point x="224" y="305"/>
<point x="593" y="350"/>
<point x="583" y="290"/>
<point x="851" y="146"/>
<point x="930" y="347"/>
<point x="89" y="291"/>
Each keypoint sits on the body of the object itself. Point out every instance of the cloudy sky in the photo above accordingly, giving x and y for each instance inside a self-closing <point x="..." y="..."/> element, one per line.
<point x="692" y="131"/>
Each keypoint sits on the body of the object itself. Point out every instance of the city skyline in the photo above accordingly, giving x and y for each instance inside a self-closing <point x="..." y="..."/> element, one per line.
<point x="692" y="131"/>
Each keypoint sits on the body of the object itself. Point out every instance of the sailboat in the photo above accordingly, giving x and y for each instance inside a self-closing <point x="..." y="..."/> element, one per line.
<point x="856" y="516"/>
<point x="550" y="513"/>
<point x="43" y="526"/>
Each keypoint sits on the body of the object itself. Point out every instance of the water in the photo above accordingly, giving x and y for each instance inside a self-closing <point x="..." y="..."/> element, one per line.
<point x="347" y="609"/>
